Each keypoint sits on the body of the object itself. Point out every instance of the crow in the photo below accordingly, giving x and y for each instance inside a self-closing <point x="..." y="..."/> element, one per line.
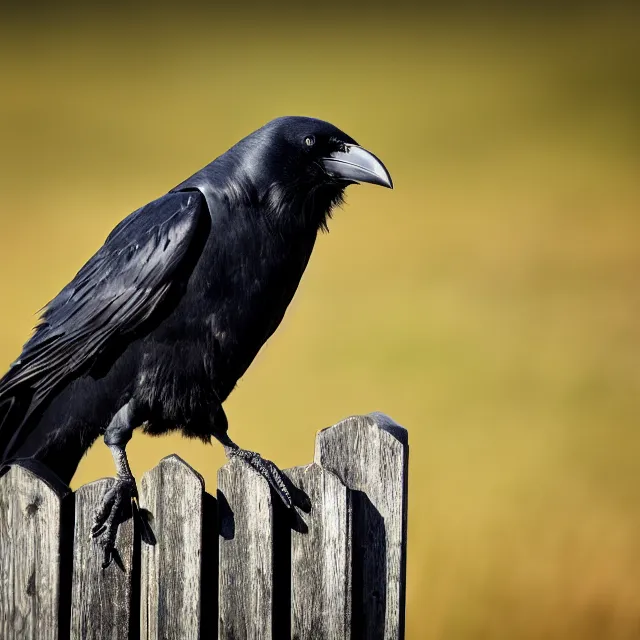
<point x="158" y="326"/>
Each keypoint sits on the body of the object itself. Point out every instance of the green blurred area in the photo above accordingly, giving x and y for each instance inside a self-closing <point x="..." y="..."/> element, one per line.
<point x="490" y="303"/>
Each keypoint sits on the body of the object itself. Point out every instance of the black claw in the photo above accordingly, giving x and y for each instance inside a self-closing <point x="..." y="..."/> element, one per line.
<point x="144" y="517"/>
<point x="96" y="530"/>
<point x="108" y="556"/>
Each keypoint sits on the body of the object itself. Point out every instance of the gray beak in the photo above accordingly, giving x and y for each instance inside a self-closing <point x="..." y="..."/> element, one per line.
<point x="356" y="164"/>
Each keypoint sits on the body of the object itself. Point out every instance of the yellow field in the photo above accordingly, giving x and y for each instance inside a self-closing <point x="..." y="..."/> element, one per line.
<point x="490" y="303"/>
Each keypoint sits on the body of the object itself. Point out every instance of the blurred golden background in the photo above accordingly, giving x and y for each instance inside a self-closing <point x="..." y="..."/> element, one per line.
<point x="490" y="303"/>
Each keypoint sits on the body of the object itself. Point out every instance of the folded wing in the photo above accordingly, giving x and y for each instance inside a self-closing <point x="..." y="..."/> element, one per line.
<point x="112" y="296"/>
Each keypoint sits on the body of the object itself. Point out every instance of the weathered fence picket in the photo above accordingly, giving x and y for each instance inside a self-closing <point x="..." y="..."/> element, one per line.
<point x="101" y="600"/>
<point x="247" y="538"/>
<point x="321" y="558"/>
<point x="173" y="494"/>
<point x="370" y="454"/>
<point x="239" y="567"/>
<point x="31" y="539"/>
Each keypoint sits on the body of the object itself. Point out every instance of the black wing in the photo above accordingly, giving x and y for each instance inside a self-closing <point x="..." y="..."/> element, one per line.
<point x="116" y="291"/>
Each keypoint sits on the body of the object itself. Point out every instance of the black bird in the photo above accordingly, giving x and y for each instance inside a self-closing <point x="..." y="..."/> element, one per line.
<point x="158" y="326"/>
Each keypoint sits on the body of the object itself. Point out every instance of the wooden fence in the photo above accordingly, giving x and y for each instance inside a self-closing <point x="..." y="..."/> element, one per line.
<point x="233" y="567"/>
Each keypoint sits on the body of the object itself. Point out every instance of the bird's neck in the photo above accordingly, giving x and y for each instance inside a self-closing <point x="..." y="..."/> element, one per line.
<point x="298" y="207"/>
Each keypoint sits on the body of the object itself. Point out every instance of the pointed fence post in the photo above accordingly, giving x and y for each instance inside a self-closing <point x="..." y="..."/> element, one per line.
<point x="102" y="600"/>
<point x="246" y="550"/>
<point x="31" y="541"/>
<point x="321" y="557"/>
<point x="171" y="570"/>
<point x="370" y="455"/>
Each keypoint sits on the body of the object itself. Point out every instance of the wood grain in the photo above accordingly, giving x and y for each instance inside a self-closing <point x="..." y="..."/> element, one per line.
<point x="30" y="545"/>
<point x="170" y="597"/>
<point x="370" y="455"/>
<point x="321" y="558"/>
<point x="101" y="599"/>
<point x="246" y="547"/>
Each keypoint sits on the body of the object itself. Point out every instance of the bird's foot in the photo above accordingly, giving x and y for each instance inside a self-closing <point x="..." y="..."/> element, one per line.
<point x="267" y="470"/>
<point x="114" y="509"/>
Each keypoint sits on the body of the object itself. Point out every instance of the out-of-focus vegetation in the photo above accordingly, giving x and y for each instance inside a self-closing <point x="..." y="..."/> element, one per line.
<point x="490" y="303"/>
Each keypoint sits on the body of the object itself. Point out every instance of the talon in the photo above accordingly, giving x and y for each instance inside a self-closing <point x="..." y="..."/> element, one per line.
<point x="108" y="557"/>
<point x="97" y="531"/>
<point x="269" y="471"/>
<point x="114" y="509"/>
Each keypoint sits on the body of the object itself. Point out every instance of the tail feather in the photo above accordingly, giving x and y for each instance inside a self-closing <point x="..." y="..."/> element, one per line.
<point x="37" y="432"/>
<point x="20" y="408"/>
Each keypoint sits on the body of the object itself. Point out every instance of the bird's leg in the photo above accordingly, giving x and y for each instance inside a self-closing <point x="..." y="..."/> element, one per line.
<point x="264" y="467"/>
<point x="116" y="502"/>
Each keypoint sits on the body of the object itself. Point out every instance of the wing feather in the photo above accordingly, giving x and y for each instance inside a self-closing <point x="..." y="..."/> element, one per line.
<point x="114" y="293"/>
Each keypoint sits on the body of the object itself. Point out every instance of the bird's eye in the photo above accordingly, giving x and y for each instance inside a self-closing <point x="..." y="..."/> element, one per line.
<point x="309" y="141"/>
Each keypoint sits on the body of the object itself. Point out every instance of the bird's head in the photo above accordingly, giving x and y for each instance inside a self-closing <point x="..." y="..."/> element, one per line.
<point x="318" y="153"/>
<point x="301" y="167"/>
